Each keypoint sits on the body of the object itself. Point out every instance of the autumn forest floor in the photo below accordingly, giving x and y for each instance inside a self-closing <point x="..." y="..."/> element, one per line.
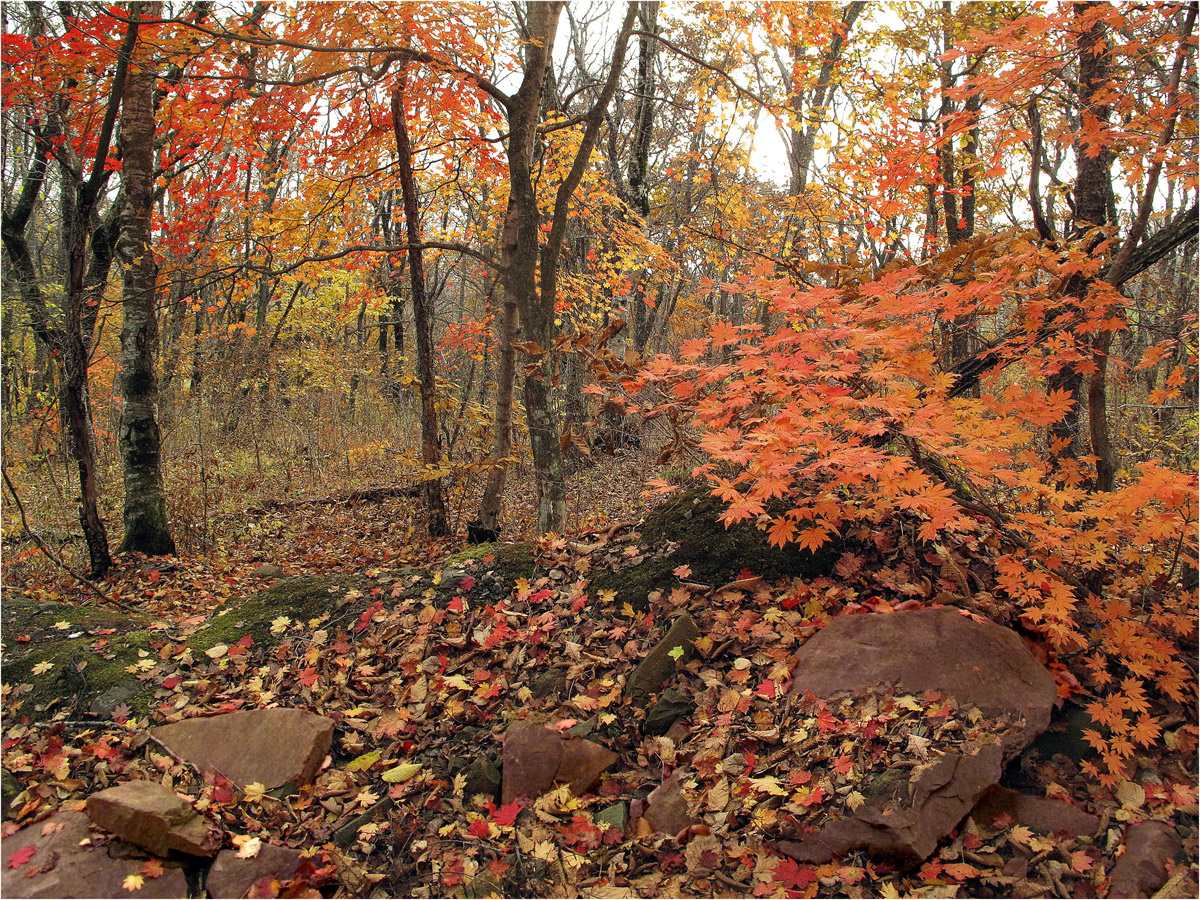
<point x="558" y="649"/>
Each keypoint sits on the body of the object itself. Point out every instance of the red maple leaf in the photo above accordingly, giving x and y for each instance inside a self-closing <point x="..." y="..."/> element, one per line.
<point x="21" y="857"/>
<point x="479" y="828"/>
<point x="791" y="875"/>
<point x="504" y="815"/>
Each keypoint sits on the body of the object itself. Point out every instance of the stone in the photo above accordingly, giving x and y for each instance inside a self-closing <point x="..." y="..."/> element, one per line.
<point x="232" y="877"/>
<point x="155" y="817"/>
<point x="670" y="707"/>
<point x="906" y="829"/>
<point x="666" y="810"/>
<point x="482" y="777"/>
<point x="1142" y="868"/>
<point x="659" y="665"/>
<point x="978" y="663"/>
<point x="267" y="746"/>
<point x="551" y="683"/>
<point x="267" y="570"/>
<point x="117" y="695"/>
<point x="615" y="816"/>
<point x="536" y="758"/>
<point x="10" y="787"/>
<point x="77" y="862"/>
<point x="1043" y="814"/>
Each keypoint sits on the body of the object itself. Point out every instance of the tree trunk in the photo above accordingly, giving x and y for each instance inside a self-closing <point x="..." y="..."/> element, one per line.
<point x="1092" y="190"/>
<point x="431" y="450"/>
<point x="146" y="527"/>
<point x="519" y="242"/>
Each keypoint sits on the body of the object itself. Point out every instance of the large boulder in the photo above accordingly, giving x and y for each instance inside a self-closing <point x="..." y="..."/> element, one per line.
<point x="269" y="746"/>
<point x="980" y="664"/>
<point x="61" y="857"/>
<point x="155" y="817"/>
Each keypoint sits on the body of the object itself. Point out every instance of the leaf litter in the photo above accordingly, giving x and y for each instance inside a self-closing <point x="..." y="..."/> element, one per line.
<point x="422" y="686"/>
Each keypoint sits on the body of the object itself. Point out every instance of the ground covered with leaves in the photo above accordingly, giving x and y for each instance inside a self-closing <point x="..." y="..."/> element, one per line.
<point x="429" y="654"/>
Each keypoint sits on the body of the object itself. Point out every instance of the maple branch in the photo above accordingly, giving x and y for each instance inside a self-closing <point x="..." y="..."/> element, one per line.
<point x="99" y="172"/>
<point x="394" y="54"/>
<point x="1181" y="230"/>
<point x="675" y="48"/>
<point x="375" y="248"/>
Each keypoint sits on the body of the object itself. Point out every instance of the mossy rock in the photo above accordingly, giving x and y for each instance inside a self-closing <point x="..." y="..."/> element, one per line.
<point x="22" y="617"/>
<point x="715" y="554"/>
<point x="299" y="599"/>
<point x="64" y="685"/>
<point x="104" y="683"/>
<point x="492" y="581"/>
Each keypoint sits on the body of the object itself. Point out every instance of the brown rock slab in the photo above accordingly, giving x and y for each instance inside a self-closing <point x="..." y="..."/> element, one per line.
<point x="1142" y="868"/>
<point x="1040" y="813"/>
<point x="582" y="764"/>
<point x="267" y="746"/>
<point x="61" y="867"/>
<point x="666" y="809"/>
<point x="231" y="877"/>
<point x="536" y="758"/>
<point x="653" y="671"/>
<point x="979" y="663"/>
<point x="155" y="817"/>
<point x="907" y="829"/>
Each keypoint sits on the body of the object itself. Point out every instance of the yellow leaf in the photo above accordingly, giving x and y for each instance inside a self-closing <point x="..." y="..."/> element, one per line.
<point x="279" y="625"/>
<point x="216" y="651"/>
<point x="401" y="773"/>
<point x="255" y="791"/>
<point x="42" y="668"/>
<point x="250" y="848"/>
<point x="63" y="625"/>
<point x="364" y="762"/>
<point x="854" y="799"/>
<point x="133" y="882"/>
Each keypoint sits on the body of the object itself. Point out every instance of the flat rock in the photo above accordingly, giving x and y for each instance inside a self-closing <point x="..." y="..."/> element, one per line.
<point x="269" y="746"/>
<point x="659" y="665"/>
<point x="536" y="758"/>
<point x="670" y="707"/>
<point x="666" y="810"/>
<point x="979" y="663"/>
<point x="69" y="860"/>
<point x="1040" y="813"/>
<point x="231" y="877"/>
<point x="155" y="817"/>
<point x="1142" y="868"/>
<point x="267" y="570"/>
<point x="907" y="829"/>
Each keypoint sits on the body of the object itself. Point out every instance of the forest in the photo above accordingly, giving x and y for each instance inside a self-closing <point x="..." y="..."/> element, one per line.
<point x="439" y="389"/>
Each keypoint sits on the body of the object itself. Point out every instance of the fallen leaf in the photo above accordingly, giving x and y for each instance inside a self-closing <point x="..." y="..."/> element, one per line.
<point x="401" y="773"/>
<point x="133" y="882"/>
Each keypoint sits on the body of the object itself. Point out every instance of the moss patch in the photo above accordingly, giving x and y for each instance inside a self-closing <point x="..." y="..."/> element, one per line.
<point x="299" y="599"/>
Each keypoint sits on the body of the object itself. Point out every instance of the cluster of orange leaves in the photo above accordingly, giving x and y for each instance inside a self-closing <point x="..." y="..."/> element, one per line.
<point x="845" y="415"/>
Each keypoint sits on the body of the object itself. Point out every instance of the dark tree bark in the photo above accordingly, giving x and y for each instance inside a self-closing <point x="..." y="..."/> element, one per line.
<point x="519" y="241"/>
<point x="431" y="449"/>
<point x="146" y="527"/>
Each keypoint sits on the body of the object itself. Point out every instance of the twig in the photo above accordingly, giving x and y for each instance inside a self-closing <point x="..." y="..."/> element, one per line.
<point x="120" y="604"/>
